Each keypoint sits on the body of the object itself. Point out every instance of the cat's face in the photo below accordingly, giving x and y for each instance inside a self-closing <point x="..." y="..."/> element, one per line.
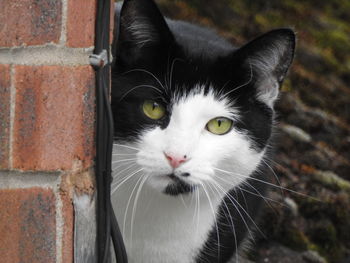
<point x="185" y="118"/>
<point x="199" y="143"/>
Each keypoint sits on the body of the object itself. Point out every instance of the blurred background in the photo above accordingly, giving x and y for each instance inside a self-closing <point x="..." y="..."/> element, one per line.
<point x="313" y="140"/>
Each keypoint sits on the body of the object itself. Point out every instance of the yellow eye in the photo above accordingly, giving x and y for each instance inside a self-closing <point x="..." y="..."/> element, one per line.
<point x="219" y="126"/>
<point x="153" y="110"/>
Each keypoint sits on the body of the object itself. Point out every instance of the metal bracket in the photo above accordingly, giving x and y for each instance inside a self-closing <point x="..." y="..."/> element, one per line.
<point x="99" y="60"/>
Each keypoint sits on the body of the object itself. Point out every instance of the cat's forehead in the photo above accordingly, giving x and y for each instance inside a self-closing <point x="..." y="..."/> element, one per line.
<point x="202" y="101"/>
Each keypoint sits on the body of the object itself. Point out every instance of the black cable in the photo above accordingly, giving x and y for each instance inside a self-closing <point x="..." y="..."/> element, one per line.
<point x="121" y="255"/>
<point x="107" y="225"/>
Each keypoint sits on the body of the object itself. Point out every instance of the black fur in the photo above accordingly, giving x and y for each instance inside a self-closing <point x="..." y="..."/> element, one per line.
<point x="240" y="208"/>
<point x="178" y="187"/>
<point x="183" y="55"/>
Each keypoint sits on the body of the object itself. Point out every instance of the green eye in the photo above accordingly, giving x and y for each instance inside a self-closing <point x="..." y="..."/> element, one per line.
<point x="219" y="126"/>
<point x="153" y="110"/>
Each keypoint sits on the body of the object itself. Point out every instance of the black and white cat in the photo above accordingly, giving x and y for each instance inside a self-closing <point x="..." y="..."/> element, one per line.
<point x="193" y="117"/>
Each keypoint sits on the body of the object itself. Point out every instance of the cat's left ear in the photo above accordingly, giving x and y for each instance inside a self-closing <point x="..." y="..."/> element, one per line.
<point x="268" y="57"/>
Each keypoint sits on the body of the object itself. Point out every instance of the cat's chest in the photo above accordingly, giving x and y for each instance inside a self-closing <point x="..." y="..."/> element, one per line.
<point x="161" y="228"/>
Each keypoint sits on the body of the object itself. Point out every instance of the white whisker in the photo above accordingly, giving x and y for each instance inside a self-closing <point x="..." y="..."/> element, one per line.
<point x="172" y="70"/>
<point x="149" y="73"/>
<point x="121" y="164"/>
<point x="273" y="172"/>
<point x="125" y="179"/>
<point x="123" y="154"/>
<point x="233" y="201"/>
<point x="267" y="183"/>
<point x="139" y="86"/>
<point x="232" y="184"/>
<point x="243" y="85"/>
<point x="135" y="206"/>
<point x="229" y="216"/>
<point x="214" y="215"/>
<point x="126" y="146"/>
<point x="124" y="160"/>
<point x="115" y="175"/>
<point x="128" y="203"/>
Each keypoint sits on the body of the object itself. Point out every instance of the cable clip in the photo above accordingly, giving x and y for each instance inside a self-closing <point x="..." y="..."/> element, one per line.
<point x="99" y="60"/>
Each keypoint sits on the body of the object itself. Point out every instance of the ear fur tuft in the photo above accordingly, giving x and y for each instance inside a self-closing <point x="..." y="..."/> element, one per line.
<point x="269" y="57"/>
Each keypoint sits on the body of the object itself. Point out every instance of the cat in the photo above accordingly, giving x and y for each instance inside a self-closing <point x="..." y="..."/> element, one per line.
<point x="193" y="118"/>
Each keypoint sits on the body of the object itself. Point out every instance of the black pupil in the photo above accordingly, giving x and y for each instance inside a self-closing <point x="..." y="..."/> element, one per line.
<point x="219" y="123"/>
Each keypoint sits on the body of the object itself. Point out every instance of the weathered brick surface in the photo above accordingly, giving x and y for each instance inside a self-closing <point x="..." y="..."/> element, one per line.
<point x="68" y="230"/>
<point x="30" y="22"/>
<point x="54" y="117"/>
<point x="81" y="23"/>
<point x="53" y="128"/>
<point x="5" y="97"/>
<point x="111" y="28"/>
<point x="27" y="226"/>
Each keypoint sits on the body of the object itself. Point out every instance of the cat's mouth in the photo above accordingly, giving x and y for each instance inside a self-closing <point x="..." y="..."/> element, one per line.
<point x="178" y="186"/>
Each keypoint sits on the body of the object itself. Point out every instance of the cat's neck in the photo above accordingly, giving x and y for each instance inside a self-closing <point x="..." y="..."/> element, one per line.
<point x="167" y="223"/>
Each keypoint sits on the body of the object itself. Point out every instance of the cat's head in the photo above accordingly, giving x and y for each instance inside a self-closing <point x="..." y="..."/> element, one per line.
<point x="189" y="109"/>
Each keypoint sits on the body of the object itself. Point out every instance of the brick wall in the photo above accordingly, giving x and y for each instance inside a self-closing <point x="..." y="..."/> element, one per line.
<point x="47" y="116"/>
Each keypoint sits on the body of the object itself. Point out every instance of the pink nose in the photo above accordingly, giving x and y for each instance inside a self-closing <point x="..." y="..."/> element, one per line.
<point x="175" y="161"/>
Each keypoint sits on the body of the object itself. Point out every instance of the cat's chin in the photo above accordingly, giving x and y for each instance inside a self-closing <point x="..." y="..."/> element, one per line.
<point x="178" y="186"/>
<point x="171" y="185"/>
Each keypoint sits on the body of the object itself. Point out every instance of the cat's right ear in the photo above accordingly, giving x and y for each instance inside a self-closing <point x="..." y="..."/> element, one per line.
<point x="143" y="32"/>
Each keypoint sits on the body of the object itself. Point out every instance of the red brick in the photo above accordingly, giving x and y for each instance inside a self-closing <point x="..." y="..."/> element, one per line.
<point x="30" y="22"/>
<point x="68" y="230"/>
<point x="5" y="98"/>
<point x="111" y="29"/>
<point x="81" y="23"/>
<point x="27" y="226"/>
<point x="54" y="117"/>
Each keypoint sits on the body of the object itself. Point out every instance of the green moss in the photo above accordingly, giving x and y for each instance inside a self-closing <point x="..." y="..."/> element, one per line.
<point x="269" y="19"/>
<point x="328" y="227"/>
<point x="287" y="85"/>
<point x="261" y="20"/>
<point x="194" y="3"/>
<point x="337" y="40"/>
<point x="331" y="179"/>
<point x="295" y="239"/>
<point x="310" y="207"/>
<point x="333" y="40"/>
<point x="239" y="8"/>
<point x="324" y="233"/>
<point x="313" y="247"/>
<point x="341" y="216"/>
<point x="297" y="7"/>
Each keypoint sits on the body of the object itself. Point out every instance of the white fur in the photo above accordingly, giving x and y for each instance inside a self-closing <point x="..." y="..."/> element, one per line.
<point x="268" y="91"/>
<point x="265" y="63"/>
<point x="162" y="228"/>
